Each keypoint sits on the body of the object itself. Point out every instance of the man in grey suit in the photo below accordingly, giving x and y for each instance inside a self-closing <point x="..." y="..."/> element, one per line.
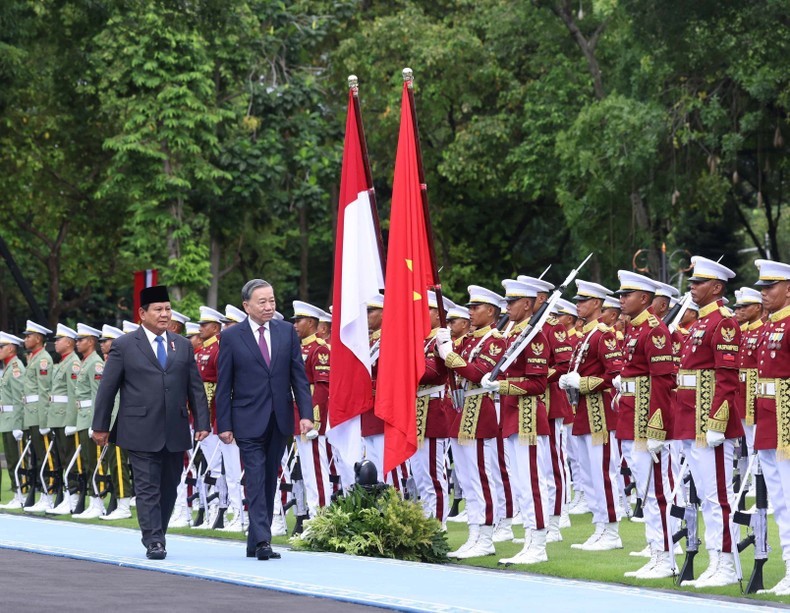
<point x="156" y="374"/>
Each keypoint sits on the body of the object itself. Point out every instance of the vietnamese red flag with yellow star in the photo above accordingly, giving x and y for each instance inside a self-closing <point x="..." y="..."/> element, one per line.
<point x="406" y="321"/>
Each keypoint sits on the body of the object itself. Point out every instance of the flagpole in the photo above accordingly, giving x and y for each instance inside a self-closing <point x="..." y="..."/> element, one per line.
<point x="408" y="79"/>
<point x="353" y="86"/>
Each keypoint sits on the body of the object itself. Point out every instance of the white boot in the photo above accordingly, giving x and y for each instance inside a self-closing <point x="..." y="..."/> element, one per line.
<point x="94" y="510"/>
<point x="279" y="527"/>
<point x="663" y="568"/>
<point x="527" y="540"/>
<point x="180" y="517"/>
<point x="725" y="573"/>
<point x="783" y="587"/>
<point x="44" y="503"/>
<point x="535" y="552"/>
<point x="580" y="508"/>
<point x="484" y="546"/>
<point x="650" y="563"/>
<point x="504" y="531"/>
<point x="122" y="511"/>
<point x="65" y="507"/>
<point x="608" y="540"/>
<point x="593" y="537"/>
<point x="474" y="533"/>
<point x="235" y="525"/>
<point x="554" y="535"/>
<point x="460" y="518"/>
<point x="713" y="563"/>
<point x="642" y="553"/>
<point x="565" y="519"/>
<point x="15" y="503"/>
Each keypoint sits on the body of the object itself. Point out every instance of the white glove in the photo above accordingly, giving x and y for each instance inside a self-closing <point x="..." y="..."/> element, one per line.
<point x="71" y="430"/>
<point x="572" y="380"/>
<point x="311" y="434"/>
<point x="444" y="344"/>
<point x="44" y="431"/>
<point x="714" y="439"/>
<point x="17" y="434"/>
<point x="487" y="383"/>
<point x="617" y="384"/>
<point x="90" y="432"/>
<point x="654" y="447"/>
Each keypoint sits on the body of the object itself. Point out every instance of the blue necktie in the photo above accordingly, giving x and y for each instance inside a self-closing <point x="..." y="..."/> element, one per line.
<point x="161" y="354"/>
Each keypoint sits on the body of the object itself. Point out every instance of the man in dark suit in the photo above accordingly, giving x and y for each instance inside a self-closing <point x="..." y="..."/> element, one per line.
<point x="260" y="366"/>
<point x="156" y="374"/>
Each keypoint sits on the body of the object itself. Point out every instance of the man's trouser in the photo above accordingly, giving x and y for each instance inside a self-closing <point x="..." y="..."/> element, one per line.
<point x="12" y="448"/>
<point x="529" y="482"/>
<point x="430" y="477"/>
<point x="477" y="467"/>
<point x="655" y="498"/>
<point x="599" y="466"/>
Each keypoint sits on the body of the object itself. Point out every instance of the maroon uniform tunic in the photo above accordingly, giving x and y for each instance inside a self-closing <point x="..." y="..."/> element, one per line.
<point x="315" y="353"/>
<point x="440" y="414"/>
<point x="746" y="394"/>
<point x="369" y="423"/>
<point x="206" y="358"/>
<point x="560" y="351"/>
<point x="773" y="385"/>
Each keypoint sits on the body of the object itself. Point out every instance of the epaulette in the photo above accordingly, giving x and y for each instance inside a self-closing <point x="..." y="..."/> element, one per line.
<point x="320" y="341"/>
<point x="725" y="312"/>
<point x="603" y="327"/>
<point x="552" y="321"/>
<point x="496" y="333"/>
<point x="653" y="321"/>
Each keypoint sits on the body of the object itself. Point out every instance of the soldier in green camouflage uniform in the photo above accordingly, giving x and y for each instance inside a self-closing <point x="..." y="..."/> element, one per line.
<point x="11" y="416"/>
<point x="38" y="381"/>
<point x="62" y="413"/>
<point x="87" y="386"/>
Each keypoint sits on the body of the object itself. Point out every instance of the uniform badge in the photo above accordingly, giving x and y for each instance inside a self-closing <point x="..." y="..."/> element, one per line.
<point x="16" y="372"/>
<point x="676" y="348"/>
<point x="323" y="358"/>
<point x="611" y="343"/>
<point x="561" y="336"/>
<point x="659" y="341"/>
<point x="537" y="348"/>
<point x="494" y="350"/>
<point x="728" y="334"/>
<point x="99" y="369"/>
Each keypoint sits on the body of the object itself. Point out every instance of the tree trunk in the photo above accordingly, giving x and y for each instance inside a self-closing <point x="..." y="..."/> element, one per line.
<point x="304" y="249"/>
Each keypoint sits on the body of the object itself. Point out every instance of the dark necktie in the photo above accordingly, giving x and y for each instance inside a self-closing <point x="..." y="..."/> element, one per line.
<point x="161" y="353"/>
<point x="263" y="345"/>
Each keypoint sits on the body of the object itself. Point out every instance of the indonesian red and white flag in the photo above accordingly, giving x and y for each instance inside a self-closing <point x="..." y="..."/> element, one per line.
<point x="406" y="321"/>
<point x="142" y="279"/>
<point x="358" y="277"/>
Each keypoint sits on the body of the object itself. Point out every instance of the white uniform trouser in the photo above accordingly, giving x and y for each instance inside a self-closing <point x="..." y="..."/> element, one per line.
<point x="556" y="477"/>
<point x="315" y="472"/>
<point x="430" y="477"/>
<point x="476" y="464"/>
<point x="599" y="467"/>
<point x="373" y="450"/>
<point x="711" y="469"/>
<point x="213" y="456"/>
<point x="281" y="496"/>
<point x="529" y="482"/>
<point x="506" y="505"/>
<point x="652" y="486"/>
<point x="777" y="481"/>
<point x="231" y="459"/>
<point x="573" y="458"/>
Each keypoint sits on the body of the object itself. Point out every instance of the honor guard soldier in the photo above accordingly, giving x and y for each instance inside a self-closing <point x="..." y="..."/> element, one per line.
<point x="525" y="423"/>
<point x="662" y="299"/>
<point x="748" y="304"/>
<point x="118" y="459"/>
<point x="475" y="428"/>
<point x="313" y="449"/>
<point x="706" y="420"/>
<point x="91" y="371"/>
<point x="128" y="326"/>
<point x="595" y="362"/>
<point x="458" y="322"/>
<point x="324" y="330"/>
<point x="645" y="419"/>
<point x="177" y="322"/>
<point x="558" y="407"/>
<point x="434" y="418"/>
<point x="233" y="315"/>
<point x="11" y="415"/>
<point x="192" y="332"/>
<point x="772" y="419"/>
<point x="610" y="315"/>
<point x="62" y="413"/>
<point x="38" y="382"/>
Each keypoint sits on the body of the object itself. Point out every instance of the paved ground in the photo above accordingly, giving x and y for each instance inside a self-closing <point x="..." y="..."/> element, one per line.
<point x="78" y="586"/>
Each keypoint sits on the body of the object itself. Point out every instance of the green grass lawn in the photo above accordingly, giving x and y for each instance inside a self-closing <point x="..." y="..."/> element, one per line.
<point x="607" y="566"/>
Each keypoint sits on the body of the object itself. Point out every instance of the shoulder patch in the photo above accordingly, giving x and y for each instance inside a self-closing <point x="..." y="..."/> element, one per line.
<point x="652" y="321"/>
<point x="725" y="312"/>
<point x="611" y="343"/>
<point x="537" y="348"/>
<point x="659" y="341"/>
<point x="496" y="334"/>
<point x="602" y="327"/>
<point x="728" y="334"/>
<point x="552" y="321"/>
<point x="323" y="358"/>
<point x="561" y="336"/>
<point x="320" y="341"/>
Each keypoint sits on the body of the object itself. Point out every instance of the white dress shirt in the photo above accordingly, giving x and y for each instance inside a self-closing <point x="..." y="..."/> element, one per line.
<point x="152" y="341"/>
<point x="266" y="334"/>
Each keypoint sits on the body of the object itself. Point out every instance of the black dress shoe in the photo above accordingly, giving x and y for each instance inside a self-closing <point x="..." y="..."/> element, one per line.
<point x="263" y="550"/>
<point x="156" y="551"/>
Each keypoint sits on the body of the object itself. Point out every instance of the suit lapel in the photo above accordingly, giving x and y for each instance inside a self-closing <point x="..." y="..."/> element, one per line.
<point x="249" y="339"/>
<point x="145" y="347"/>
<point x="171" y="349"/>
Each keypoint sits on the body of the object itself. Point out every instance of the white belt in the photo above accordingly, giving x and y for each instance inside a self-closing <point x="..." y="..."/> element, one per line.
<point x="437" y="391"/>
<point x="30" y="399"/>
<point x="742" y="377"/>
<point x="58" y="398"/>
<point x="7" y="408"/>
<point x="84" y="404"/>
<point x="477" y="392"/>
<point x="766" y="388"/>
<point x="628" y="387"/>
<point x="687" y="380"/>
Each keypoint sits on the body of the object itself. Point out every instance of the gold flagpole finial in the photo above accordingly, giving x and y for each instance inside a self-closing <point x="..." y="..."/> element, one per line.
<point x="353" y="82"/>
<point x="408" y="77"/>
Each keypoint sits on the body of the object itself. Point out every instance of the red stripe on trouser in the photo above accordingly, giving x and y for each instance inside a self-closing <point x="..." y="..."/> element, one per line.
<point x="481" y="470"/>
<point x="607" y="484"/>
<point x="658" y="487"/>
<point x="556" y="467"/>
<point x="319" y="477"/>
<point x="721" y="491"/>
<point x="500" y="452"/>
<point x="669" y="472"/>
<point x="437" y="487"/>
<point x="535" y="484"/>
<point x="395" y="479"/>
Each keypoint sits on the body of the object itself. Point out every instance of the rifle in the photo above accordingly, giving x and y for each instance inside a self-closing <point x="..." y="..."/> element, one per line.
<point x="758" y="522"/>
<point x="48" y="469"/>
<point x="105" y="480"/>
<point x="689" y="515"/>
<point x="204" y="479"/>
<point x="95" y="479"/>
<point x="19" y="484"/>
<point x="535" y="324"/>
<point x="191" y="481"/>
<point x="676" y="313"/>
<point x="82" y="485"/>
